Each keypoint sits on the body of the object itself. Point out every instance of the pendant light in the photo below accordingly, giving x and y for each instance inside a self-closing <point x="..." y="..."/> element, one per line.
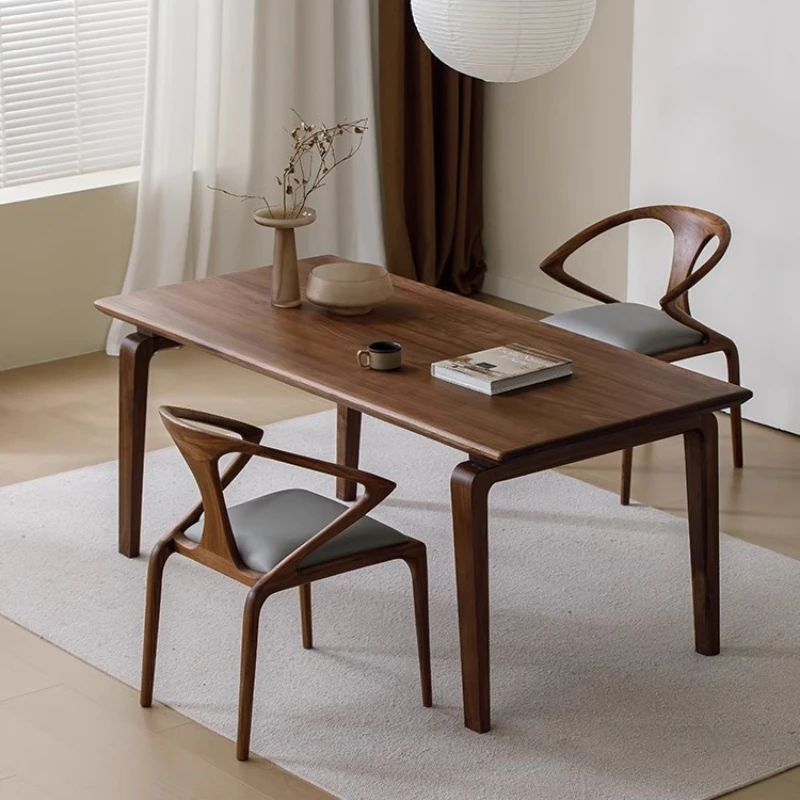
<point x="503" y="41"/>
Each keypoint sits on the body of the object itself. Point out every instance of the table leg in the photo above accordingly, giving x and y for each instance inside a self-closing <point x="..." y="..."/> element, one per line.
<point x="134" y="365"/>
<point x="702" y="482"/>
<point x="348" y="441"/>
<point x="469" y="491"/>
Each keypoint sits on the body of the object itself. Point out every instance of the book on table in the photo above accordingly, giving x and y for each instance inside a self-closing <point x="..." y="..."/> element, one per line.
<point x="502" y="369"/>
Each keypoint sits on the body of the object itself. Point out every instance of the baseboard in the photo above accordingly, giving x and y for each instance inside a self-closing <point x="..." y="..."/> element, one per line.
<point x="550" y="300"/>
<point x="39" y="361"/>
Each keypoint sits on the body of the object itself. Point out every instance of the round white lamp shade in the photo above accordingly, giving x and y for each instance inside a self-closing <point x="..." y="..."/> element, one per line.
<point x="503" y="41"/>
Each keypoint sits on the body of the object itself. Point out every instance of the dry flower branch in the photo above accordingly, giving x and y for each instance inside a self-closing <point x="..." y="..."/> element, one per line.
<point x="314" y="157"/>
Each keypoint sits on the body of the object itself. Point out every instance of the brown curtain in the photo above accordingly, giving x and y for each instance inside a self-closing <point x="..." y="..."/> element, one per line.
<point x="431" y="142"/>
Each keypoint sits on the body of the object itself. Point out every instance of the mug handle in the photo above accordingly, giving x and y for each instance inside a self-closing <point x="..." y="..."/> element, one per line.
<point x="360" y="361"/>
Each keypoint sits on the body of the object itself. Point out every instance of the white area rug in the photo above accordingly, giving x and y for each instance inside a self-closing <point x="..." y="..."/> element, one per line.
<point x="597" y="692"/>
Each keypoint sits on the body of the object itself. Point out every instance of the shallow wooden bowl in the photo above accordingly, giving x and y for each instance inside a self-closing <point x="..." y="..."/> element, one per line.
<point x="349" y="288"/>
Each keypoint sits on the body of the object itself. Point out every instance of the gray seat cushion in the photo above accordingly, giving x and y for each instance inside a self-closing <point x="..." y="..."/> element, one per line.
<point x="268" y="528"/>
<point x="632" y="326"/>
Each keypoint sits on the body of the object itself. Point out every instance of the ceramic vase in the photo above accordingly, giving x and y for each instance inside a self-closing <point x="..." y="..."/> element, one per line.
<point x="285" y="278"/>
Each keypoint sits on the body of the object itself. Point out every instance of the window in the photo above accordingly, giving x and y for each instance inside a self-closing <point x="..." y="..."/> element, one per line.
<point x="72" y="76"/>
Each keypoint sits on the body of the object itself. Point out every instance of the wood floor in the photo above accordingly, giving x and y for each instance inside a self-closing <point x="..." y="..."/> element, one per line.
<point x="69" y="732"/>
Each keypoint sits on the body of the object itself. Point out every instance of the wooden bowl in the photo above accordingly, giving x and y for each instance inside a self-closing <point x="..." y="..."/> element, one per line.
<point x="348" y="288"/>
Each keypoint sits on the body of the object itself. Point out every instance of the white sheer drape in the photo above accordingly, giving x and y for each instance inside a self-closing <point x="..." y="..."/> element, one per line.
<point x="223" y="77"/>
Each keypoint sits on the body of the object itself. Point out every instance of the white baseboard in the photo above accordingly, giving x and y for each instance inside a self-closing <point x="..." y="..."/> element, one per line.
<point x="550" y="300"/>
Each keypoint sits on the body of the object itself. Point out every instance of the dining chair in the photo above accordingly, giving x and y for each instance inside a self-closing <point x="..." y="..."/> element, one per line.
<point x="669" y="333"/>
<point x="277" y="541"/>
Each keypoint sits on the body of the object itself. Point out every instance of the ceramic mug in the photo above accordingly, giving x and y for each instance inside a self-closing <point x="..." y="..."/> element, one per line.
<point x="381" y="355"/>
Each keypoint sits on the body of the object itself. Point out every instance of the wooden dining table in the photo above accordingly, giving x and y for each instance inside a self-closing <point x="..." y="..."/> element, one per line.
<point x="615" y="399"/>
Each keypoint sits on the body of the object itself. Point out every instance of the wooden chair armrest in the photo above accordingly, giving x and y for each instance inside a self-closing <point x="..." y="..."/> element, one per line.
<point x="357" y="511"/>
<point x="553" y="265"/>
<point x="212" y="446"/>
<point x="370" y="481"/>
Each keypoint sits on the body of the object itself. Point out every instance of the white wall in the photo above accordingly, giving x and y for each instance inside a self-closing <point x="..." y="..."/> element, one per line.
<point x="557" y="159"/>
<point x="57" y="256"/>
<point x="716" y="124"/>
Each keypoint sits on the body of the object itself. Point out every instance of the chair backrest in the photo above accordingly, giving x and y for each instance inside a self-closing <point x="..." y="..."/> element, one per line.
<point x="692" y="230"/>
<point x="202" y="448"/>
<point x="196" y="435"/>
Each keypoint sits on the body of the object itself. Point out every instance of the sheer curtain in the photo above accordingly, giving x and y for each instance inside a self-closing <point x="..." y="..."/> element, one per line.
<point x="222" y="79"/>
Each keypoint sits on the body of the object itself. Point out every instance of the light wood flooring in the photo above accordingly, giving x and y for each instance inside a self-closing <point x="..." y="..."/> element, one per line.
<point x="70" y="732"/>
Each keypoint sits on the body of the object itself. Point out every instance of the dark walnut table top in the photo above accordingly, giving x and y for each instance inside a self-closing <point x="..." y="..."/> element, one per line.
<point x="231" y="316"/>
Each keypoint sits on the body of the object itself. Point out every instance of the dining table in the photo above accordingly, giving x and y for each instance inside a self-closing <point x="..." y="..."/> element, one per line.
<point x="615" y="399"/>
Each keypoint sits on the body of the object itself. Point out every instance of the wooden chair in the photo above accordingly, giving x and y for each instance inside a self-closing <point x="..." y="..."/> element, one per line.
<point x="669" y="333"/>
<point x="274" y="542"/>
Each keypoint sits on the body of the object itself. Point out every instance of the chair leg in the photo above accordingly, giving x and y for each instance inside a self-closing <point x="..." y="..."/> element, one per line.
<point x="247" y="679"/>
<point x="732" y="357"/>
<point x="627" y="470"/>
<point x="155" y="573"/>
<point x="418" y="564"/>
<point x="305" y="615"/>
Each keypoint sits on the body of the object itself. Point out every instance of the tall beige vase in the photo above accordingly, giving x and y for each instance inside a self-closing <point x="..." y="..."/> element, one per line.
<point x="285" y="279"/>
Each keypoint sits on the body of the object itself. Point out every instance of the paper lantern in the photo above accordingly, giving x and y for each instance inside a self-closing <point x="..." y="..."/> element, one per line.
<point x="503" y="41"/>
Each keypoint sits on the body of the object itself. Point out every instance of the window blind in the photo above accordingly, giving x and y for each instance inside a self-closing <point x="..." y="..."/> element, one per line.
<point x="72" y="76"/>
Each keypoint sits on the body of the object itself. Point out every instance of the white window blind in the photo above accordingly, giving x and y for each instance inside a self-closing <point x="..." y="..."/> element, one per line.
<point x="72" y="76"/>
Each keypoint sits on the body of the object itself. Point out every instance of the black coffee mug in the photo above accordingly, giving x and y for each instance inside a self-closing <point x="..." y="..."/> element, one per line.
<point x="381" y="356"/>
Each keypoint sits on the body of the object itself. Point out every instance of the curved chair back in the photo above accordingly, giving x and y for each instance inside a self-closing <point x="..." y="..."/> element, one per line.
<point x="692" y="229"/>
<point x="202" y="446"/>
<point x="200" y="442"/>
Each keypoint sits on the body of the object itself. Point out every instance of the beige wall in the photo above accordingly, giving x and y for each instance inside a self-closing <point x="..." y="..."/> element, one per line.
<point x="57" y="255"/>
<point x="558" y="159"/>
<point x="716" y="127"/>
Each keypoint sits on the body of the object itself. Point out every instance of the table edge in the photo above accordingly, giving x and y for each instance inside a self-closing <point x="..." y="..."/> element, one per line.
<point x="736" y="396"/>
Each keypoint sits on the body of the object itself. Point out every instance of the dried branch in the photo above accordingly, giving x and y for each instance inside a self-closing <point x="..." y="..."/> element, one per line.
<point x="242" y="197"/>
<point x="312" y="160"/>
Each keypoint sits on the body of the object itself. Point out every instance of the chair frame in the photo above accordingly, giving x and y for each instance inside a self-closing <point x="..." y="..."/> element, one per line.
<point x="202" y="450"/>
<point x="692" y="230"/>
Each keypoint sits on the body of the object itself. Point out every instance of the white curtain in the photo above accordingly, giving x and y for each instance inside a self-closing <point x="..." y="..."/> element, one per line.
<point x="223" y="77"/>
